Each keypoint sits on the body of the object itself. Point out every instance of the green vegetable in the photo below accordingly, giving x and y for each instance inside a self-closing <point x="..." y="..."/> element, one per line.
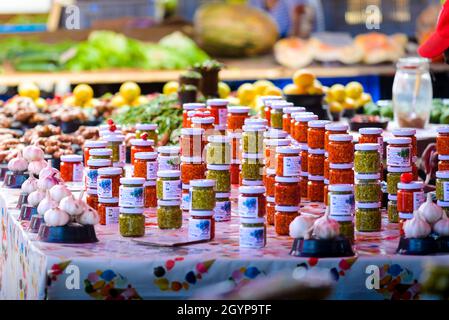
<point x="435" y="115"/>
<point x="169" y="217"/>
<point x="371" y="109"/>
<point x="202" y="198"/>
<point x="387" y="111"/>
<point x="444" y="118"/>
<point x="367" y="220"/>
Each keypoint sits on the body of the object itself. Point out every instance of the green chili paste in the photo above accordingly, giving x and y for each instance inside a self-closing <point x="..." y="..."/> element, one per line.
<point x="367" y="191"/>
<point x="202" y="198"/>
<point x="366" y="161"/>
<point x="169" y="217"/>
<point x="367" y="220"/>
<point x="222" y="179"/>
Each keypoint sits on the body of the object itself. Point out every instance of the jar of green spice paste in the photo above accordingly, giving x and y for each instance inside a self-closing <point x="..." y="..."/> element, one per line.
<point x="442" y="185"/>
<point x="346" y="226"/>
<point x="367" y="158"/>
<point x="367" y="187"/>
<point x="252" y="138"/>
<point x="168" y="185"/>
<point x="131" y="222"/>
<point x="116" y="144"/>
<point x="252" y="166"/>
<point x="202" y="194"/>
<point x="221" y="174"/>
<point x="392" y="208"/>
<point x="276" y="114"/>
<point x="394" y="177"/>
<point x="218" y="150"/>
<point x="367" y="216"/>
<point x="169" y="214"/>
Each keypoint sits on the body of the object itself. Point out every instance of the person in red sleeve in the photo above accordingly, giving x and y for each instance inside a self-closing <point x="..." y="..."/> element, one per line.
<point x="438" y="42"/>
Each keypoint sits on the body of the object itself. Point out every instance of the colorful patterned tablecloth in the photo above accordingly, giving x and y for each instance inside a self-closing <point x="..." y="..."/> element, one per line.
<point x="118" y="268"/>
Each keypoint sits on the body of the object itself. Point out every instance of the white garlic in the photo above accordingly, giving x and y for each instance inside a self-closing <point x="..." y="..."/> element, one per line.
<point x="29" y="185"/>
<point x="33" y="153"/>
<point x="326" y="228"/>
<point x="89" y="216"/>
<point x="441" y="227"/>
<point x="35" y="197"/>
<point x="56" y="217"/>
<point x="300" y="227"/>
<point x="72" y="206"/>
<point x="35" y="167"/>
<point x="58" y="192"/>
<point x="416" y="227"/>
<point x="49" y="171"/>
<point x="46" y="204"/>
<point x="18" y="164"/>
<point x="430" y="211"/>
<point x="47" y="182"/>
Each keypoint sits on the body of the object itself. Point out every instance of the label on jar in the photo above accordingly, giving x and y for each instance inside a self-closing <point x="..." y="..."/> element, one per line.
<point x="112" y="214"/>
<point x="168" y="162"/>
<point x="77" y="174"/>
<point x="397" y="156"/>
<point x="222" y="116"/>
<point x="222" y="211"/>
<point x="151" y="170"/>
<point x="199" y="229"/>
<point x="292" y="166"/>
<point x="341" y="204"/>
<point x="248" y="207"/>
<point x="131" y="196"/>
<point x="122" y="153"/>
<point x="185" y="201"/>
<point x="104" y="189"/>
<point x="91" y="178"/>
<point x="418" y="199"/>
<point x="171" y="189"/>
<point x="252" y="237"/>
<point x="380" y="141"/>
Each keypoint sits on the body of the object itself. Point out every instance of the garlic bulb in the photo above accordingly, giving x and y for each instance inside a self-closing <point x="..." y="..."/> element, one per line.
<point x="35" y="167"/>
<point x="326" y="228"/>
<point x="416" y="227"/>
<point x="89" y="216"/>
<point x="18" y="164"/>
<point x="430" y="211"/>
<point x="72" y="206"/>
<point x="300" y="227"/>
<point x="29" y="185"/>
<point x="441" y="227"/>
<point x="58" y="192"/>
<point x="46" y="204"/>
<point x="49" y="171"/>
<point x="33" y="153"/>
<point x="47" y="183"/>
<point x="35" y="197"/>
<point x="56" y="217"/>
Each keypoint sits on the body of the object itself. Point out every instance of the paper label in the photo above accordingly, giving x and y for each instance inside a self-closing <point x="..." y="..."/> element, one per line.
<point x="380" y="141"/>
<point x="185" y="201"/>
<point x="131" y="197"/>
<point x="418" y="199"/>
<point x="91" y="178"/>
<point x="222" y="211"/>
<point x="222" y="116"/>
<point x="248" y="207"/>
<point x="341" y="204"/>
<point x="151" y="170"/>
<point x="252" y="237"/>
<point x="168" y="162"/>
<point x="199" y="229"/>
<point x="104" y="189"/>
<point x="445" y="186"/>
<point x="399" y="157"/>
<point x="292" y="166"/>
<point x="112" y="214"/>
<point x="77" y="174"/>
<point x="171" y="189"/>
<point x="122" y="153"/>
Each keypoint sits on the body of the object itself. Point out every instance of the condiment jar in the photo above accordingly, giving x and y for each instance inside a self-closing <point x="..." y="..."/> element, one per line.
<point x="303" y="182"/>
<point x="301" y="127"/>
<point x="150" y="197"/>
<point x="315" y="162"/>
<point x="346" y="224"/>
<point x="206" y="123"/>
<point x="92" y="144"/>
<point x="108" y="210"/>
<point x="140" y="145"/>
<point x="372" y="135"/>
<point x="304" y="155"/>
<point x="341" y="173"/>
<point x="333" y="128"/>
<point x="145" y="165"/>
<point x="185" y="197"/>
<point x="222" y="210"/>
<point x="100" y="154"/>
<point x="168" y="185"/>
<point x="116" y="144"/>
<point x="218" y="150"/>
<point x="235" y="171"/>
<point x="288" y="162"/>
<point x="168" y="158"/>
<point x="169" y="214"/>
<point x="442" y="185"/>
<point x="186" y="107"/>
<point x="236" y="141"/>
<point x="287" y="191"/>
<point x="276" y="114"/>
<point x="367" y="158"/>
<point x="92" y="198"/>
<point x="367" y="217"/>
<point x="392" y="209"/>
<point x="443" y="162"/>
<point x="252" y="233"/>
<point x="269" y="182"/>
<point x="150" y="129"/>
<point x="270" y="150"/>
<point x="252" y="138"/>
<point x="325" y="192"/>
<point x="315" y="133"/>
<point x="367" y="187"/>
<point x="91" y="176"/>
<point x="131" y="192"/>
<point x="202" y="194"/>
<point x="191" y="142"/>
<point x="340" y="148"/>
<point x="394" y="177"/>
<point x="275" y="134"/>
<point x="108" y="182"/>
<point x="192" y="168"/>
<point x="251" y="201"/>
<point x="267" y="101"/>
<point x="252" y="166"/>
<point x="408" y="133"/>
<point x="399" y="152"/>
<point x="131" y="222"/>
<point x="341" y="200"/>
<point x="72" y="168"/>
<point x="256" y="122"/>
<point x="270" y="210"/>
<point x="287" y="117"/>
<point x="410" y="196"/>
<point x="443" y="140"/>
<point x="201" y="225"/>
<point x="315" y="188"/>
<point x="221" y="174"/>
<point x="236" y="117"/>
<point x="326" y="166"/>
<point x="283" y="216"/>
<point x="219" y="110"/>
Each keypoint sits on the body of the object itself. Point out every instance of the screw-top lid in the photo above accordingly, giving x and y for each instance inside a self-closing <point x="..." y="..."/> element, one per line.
<point x="367" y="205"/>
<point x="343" y="218"/>
<point x="114" y="138"/>
<point x="252" y="220"/>
<point x="192" y="131"/>
<point x="219" y="139"/>
<point x="340" y="137"/>
<point x="133" y="181"/>
<point x="235" y="134"/>
<point x="315" y="178"/>
<point x="91" y="191"/>
<point x="337" y="127"/>
<point x="149" y="183"/>
<point x="399" y="169"/>
<point x="275" y="134"/>
<point x="254" y="128"/>
<point x="142" y="142"/>
<point x="442" y="174"/>
<point x="291" y="110"/>
<point x="201" y="213"/>
<point x="341" y="187"/>
<point x="235" y="161"/>
<point x="252" y="183"/>
<point x="193" y="106"/>
<point x="202" y="183"/>
<point x="326" y="181"/>
<point x="399" y="141"/>
<point x="217" y="102"/>
<point x="169" y="173"/>
<point x="277" y="142"/>
<point x="443" y="129"/>
<point x="169" y="149"/>
<point x="374" y="131"/>
<point x="146" y="126"/>
<point x="195" y="160"/>
<point x="95" y="144"/>
<point x="145" y="155"/>
<point x="108" y="200"/>
<point x="367" y="146"/>
<point x="134" y="210"/>
<point x="341" y="166"/>
<point x="270" y="199"/>
<point x="318" y="123"/>
<point x="238" y="109"/>
<point x="104" y="127"/>
<point x="443" y="157"/>
<point x="110" y="171"/>
<point x="367" y="176"/>
<point x="280" y="105"/>
<point x="251" y="189"/>
<point x="306" y="117"/>
<point x="100" y="152"/>
<point x="411" y="186"/>
<point x="201" y="120"/>
<point x="393" y="197"/>
<point x="168" y="203"/>
<point x="287" y="150"/>
<point x="304" y="174"/>
<point x="286" y="179"/>
<point x="270" y="171"/>
<point x="443" y="203"/>
<point x="304" y="147"/>
<point x="221" y="195"/>
<point x="286" y="208"/>
<point x="99" y="162"/>
<point x="71" y="158"/>
<point x="252" y="155"/>
<point x="256" y="122"/>
<point x="218" y="167"/>
<point x="403" y="132"/>
<point x="316" y="151"/>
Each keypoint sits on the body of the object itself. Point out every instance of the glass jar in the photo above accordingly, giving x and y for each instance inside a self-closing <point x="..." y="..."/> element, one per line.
<point x="315" y="188"/>
<point x="410" y="196"/>
<point x="221" y="174"/>
<point x="252" y="233"/>
<point x="325" y="192"/>
<point x="275" y="134"/>
<point x="219" y="110"/>
<point x="443" y="162"/>
<point x="169" y="214"/>
<point x="392" y="209"/>
<point x="222" y="210"/>
<point x="442" y="185"/>
<point x="236" y="117"/>
<point x="288" y="162"/>
<point x="236" y="142"/>
<point x="367" y="217"/>
<point x="108" y="210"/>
<point x="202" y="194"/>
<point x="191" y="142"/>
<point x="201" y="225"/>
<point x="412" y="92"/>
<point x="346" y="224"/>
<point x="267" y="101"/>
<point x="185" y="197"/>
<point x="304" y="156"/>
<point x="150" y="129"/>
<point x="408" y="133"/>
<point x="341" y="173"/>
<point x="131" y="192"/>
<point x="218" y="150"/>
<point x="91" y="175"/>
<point x="367" y="187"/>
<point x="340" y="148"/>
<point x="256" y="122"/>
<point x="315" y="134"/>
<point x="205" y="123"/>
<point x="270" y="150"/>
<point x="100" y="154"/>
<point x="92" y="198"/>
<point x="399" y="152"/>
<point x="108" y="182"/>
<point x="270" y="210"/>
<point x="131" y="222"/>
<point x="168" y="185"/>
<point x="394" y="177"/>
<point x="72" y="168"/>
<point x="283" y="216"/>
<point x="326" y="166"/>
<point x="303" y="182"/>
<point x="301" y="126"/>
<point x="251" y="201"/>
<point x="276" y="114"/>
<point x="372" y="135"/>
<point x="220" y="130"/>
<point x="117" y="145"/>
<point x="168" y="158"/>
<point x="315" y="162"/>
<point x="186" y="107"/>
<point x="443" y="141"/>
<point x="366" y="158"/>
<point x="287" y="117"/>
<point x="341" y="200"/>
<point x="92" y="144"/>
<point x="235" y="172"/>
<point x="140" y="145"/>
<point x="252" y="166"/>
<point x="252" y="139"/>
<point x="150" y="197"/>
<point x="287" y="191"/>
<point x="269" y="182"/>
<point x="145" y="165"/>
<point x="192" y="168"/>
<point x="333" y="128"/>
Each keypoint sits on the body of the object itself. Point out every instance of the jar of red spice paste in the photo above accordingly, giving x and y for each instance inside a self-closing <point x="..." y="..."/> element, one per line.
<point x="288" y="162"/>
<point x="186" y="107"/>
<point x="399" y="152"/>
<point x="341" y="173"/>
<point x="149" y="194"/>
<point x="236" y="142"/>
<point x="410" y="196"/>
<point x="269" y="182"/>
<point x="191" y="142"/>
<point x="92" y="144"/>
<point x="408" y="133"/>
<point x="315" y="133"/>
<point x="443" y="162"/>
<point x="108" y="210"/>
<point x="100" y="154"/>
<point x="92" y="198"/>
<point x="315" y="188"/>
<point x="315" y="162"/>
<point x="287" y="191"/>
<point x="141" y="145"/>
<point x="326" y="166"/>
<point x="236" y="117"/>
<point x="340" y="148"/>
<point x="294" y="128"/>
<point x="251" y="202"/>
<point x="72" y="168"/>
<point x="333" y="128"/>
<point x="206" y="123"/>
<point x="219" y="110"/>
<point x="283" y="216"/>
<point x="192" y="168"/>
<point x="270" y="210"/>
<point x="325" y="192"/>
<point x="443" y="140"/>
<point x="235" y="171"/>
<point x="303" y="182"/>
<point x="301" y="127"/>
<point x="287" y="117"/>
<point x="145" y="165"/>
<point x="372" y="135"/>
<point x="270" y="150"/>
<point x="108" y="182"/>
<point x="91" y="176"/>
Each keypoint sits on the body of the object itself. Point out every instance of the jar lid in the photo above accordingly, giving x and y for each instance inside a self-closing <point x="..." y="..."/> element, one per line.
<point x="315" y="178"/>
<point x="195" y="160"/>
<point x="202" y="183"/>
<point x="169" y="149"/>
<point x="142" y="142"/>
<point x="149" y="183"/>
<point x="91" y="191"/>
<point x="275" y="134"/>
<point x="108" y="200"/>
<point x="280" y="105"/>
<point x="399" y="141"/>
<point x="238" y="109"/>
<point x="411" y="186"/>
<point x="367" y="176"/>
<point x="235" y="134"/>
<point x="443" y="203"/>
<point x="254" y="128"/>
<point x="217" y="102"/>
<point x="251" y="189"/>
<point x="256" y="121"/>
<point x="104" y="127"/>
<point x="315" y="151"/>
<point x="341" y="165"/>
<point x="218" y="167"/>
<point x="340" y="137"/>
<point x="114" y="138"/>
<point x="133" y="181"/>
<point x="201" y="213"/>
<point x="326" y="181"/>
<point x="135" y="210"/>
<point x="287" y="150"/>
<point x="103" y="133"/>
<point x="286" y="208"/>
<point x="252" y="155"/>
<point x="145" y="155"/>
<point x="220" y="127"/>
<point x="192" y="131"/>
<point x="218" y="139"/>
<point x="291" y="110"/>
<point x="367" y="205"/>
<point x="375" y="131"/>
<point x="304" y="147"/>
<point x="326" y="154"/>
<point x="304" y="174"/>
<point x="235" y="161"/>
<point x="100" y="152"/>
<point x="146" y="126"/>
<point x="404" y="132"/>
<point x="168" y="203"/>
<point x="110" y="171"/>
<point x="192" y="113"/>
<point x="99" y="162"/>
<point x="318" y="123"/>
<point x="277" y="142"/>
<point x="286" y="179"/>
<point x="193" y="106"/>
<point x="393" y="197"/>
<point x="270" y="171"/>
<point x="336" y="127"/>
<point x="405" y="215"/>
<point x="442" y="174"/>
<point x="399" y="169"/>
<point x="443" y="157"/>
<point x="95" y="144"/>
<point x="220" y="195"/>
<point x="252" y="183"/>
<point x="201" y="120"/>
<point x="341" y="187"/>
<point x="270" y="199"/>
<point x="306" y="117"/>
<point x="185" y="186"/>
<point x="252" y="220"/>
<point x="344" y="218"/>
<point x="71" y="158"/>
<point x="443" y="129"/>
<point x="269" y="102"/>
<point x="367" y="146"/>
<point x="119" y="164"/>
<point x="169" y="173"/>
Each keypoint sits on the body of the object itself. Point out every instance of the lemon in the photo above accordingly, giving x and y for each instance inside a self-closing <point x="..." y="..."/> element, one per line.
<point x="139" y="101"/>
<point x="118" y="101"/>
<point x="291" y="89"/>
<point x="303" y="78"/>
<point x="223" y="90"/>
<point x="29" y="89"/>
<point x="364" y="99"/>
<point x="129" y="91"/>
<point x="354" y="90"/>
<point x="89" y="103"/>
<point x="272" y="91"/>
<point x="349" y="103"/>
<point x="261" y="85"/>
<point x="246" y="93"/>
<point x="40" y="102"/>
<point x="83" y="92"/>
<point x="335" y="106"/>
<point x="316" y="88"/>
<point x="337" y="93"/>
<point x="70" y="101"/>
<point x="170" y="87"/>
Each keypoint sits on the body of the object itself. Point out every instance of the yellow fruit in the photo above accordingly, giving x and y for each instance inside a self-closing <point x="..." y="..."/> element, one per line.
<point x="315" y="89"/>
<point x="223" y="90"/>
<point x="89" y="103"/>
<point x="291" y="89"/>
<point x="364" y="99"/>
<point x="129" y="91"/>
<point x="354" y="90"/>
<point x="246" y="93"/>
<point x="272" y="91"/>
<point x="170" y="87"/>
<point x="118" y="101"/>
<point x="139" y="101"/>
<point x="303" y="78"/>
<point x="40" y="102"/>
<point x="261" y="85"/>
<point x="337" y="93"/>
<point x="349" y="104"/>
<point x="83" y="93"/>
<point x="29" y="89"/>
<point x="70" y="101"/>
<point x="335" y="106"/>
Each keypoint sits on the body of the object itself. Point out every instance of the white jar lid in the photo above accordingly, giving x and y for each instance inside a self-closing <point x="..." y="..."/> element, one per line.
<point x="252" y="183"/>
<point x="71" y="158"/>
<point x="252" y="220"/>
<point x="146" y="126"/>
<point x="120" y="165"/>
<point x="142" y="142"/>
<point x="149" y="183"/>
<point x="300" y="113"/>
<point x="304" y="174"/>
<point x="340" y="137"/>
<point x="220" y="195"/>
<point x="217" y="102"/>
<point x="270" y="171"/>
<point x="315" y="178"/>
<point x="275" y="134"/>
<point x="91" y="191"/>
<point x="193" y="106"/>
<point x="306" y="117"/>
<point x="254" y="128"/>
<point x="304" y="147"/>
<point x="110" y="171"/>
<point x="443" y="129"/>
<point x="219" y="139"/>
<point x="443" y="203"/>
<point x="192" y="131"/>
<point x="344" y="218"/>
<point x="169" y="149"/>
<point x="95" y="144"/>
<point x="443" y="157"/>
<point x="114" y="138"/>
<point x="336" y="127"/>
<point x="375" y="131"/>
<point x="399" y="141"/>
<point x="411" y="186"/>
<point x="201" y="213"/>
<point x="252" y="155"/>
<point x="399" y="169"/>
<point x="108" y="200"/>
<point x="202" y="183"/>
<point x="192" y="113"/>
<point x="251" y="189"/>
<point x="218" y="167"/>
<point x="287" y="150"/>
<point x="100" y="152"/>
<point x="201" y="120"/>
<point x="269" y="102"/>
<point x="367" y="146"/>
<point x="238" y="109"/>
<point x="133" y="181"/>
<point x="277" y="142"/>
<point x="367" y="176"/>
<point x="291" y="110"/>
<point x="318" y="123"/>
<point x="134" y="210"/>
<point x="168" y="203"/>
<point x="103" y="133"/>
<point x="404" y="132"/>
<point x="169" y="173"/>
<point x="393" y="197"/>
<point x="99" y="162"/>
<point x="316" y="151"/>
<point x="442" y="174"/>
<point x="341" y="165"/>
<point x="145" y="155"/>
<point x="286" y="179"/>
<point x="326" y="181"/>
<point x="104" y="127"/>
<point x="341" y="187"/>
<point x="235" y="161"/>
<point x="405" y="215"/>
<point x="234" y="134"/>
<point x="286" y="208"/>
<point x="195" y="160"/>
<point x="280" y="105"/>
<point x="367" y="205"/>
<point x="256" y="121"/>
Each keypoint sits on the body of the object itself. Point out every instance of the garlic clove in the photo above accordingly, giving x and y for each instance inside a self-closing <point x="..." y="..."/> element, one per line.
<point x="29" y="185"/>
<point x="35" y="197"/>
<point x="300" y="227"/>
<point x="56" y="217"/>
<point x="59" y="191"/>
<point x="35" y="167"/>
<point x="47" y="182"/>
<point x="430" y="211"/>
<point x="49" y="171"/>
<point x="72" y="206"/>
<point x="33" y="153"/>
<point x="416" y="227"/>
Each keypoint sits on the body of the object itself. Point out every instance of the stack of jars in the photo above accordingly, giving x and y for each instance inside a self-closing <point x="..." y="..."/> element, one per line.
<point x="443" y="167"/>
<point x="90" y="180"/>
<point x="116" y="142"/>
<point x="202" y="206"/>
<point x="190" y="107"/>
<point x="108" y="185"/>
<point x="252" y="155"/>
<point x="169" y="192"/>
<point x="288" y="116"/>
<point x="266" y="110"/>
<point x="252" y="209"/>
<point x="145" y="166"/>
<point x="277" y="113"/>
<point x="410" y="133"/>
<point x="131" y="203"/>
